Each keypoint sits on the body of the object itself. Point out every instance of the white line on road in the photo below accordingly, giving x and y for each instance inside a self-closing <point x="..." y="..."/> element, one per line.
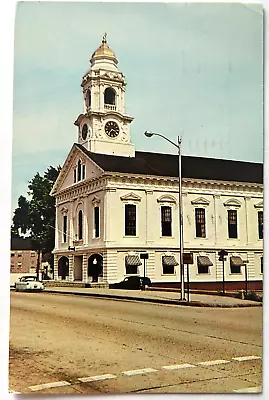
<point x="139" y="371"/>
<point x="49" y="385"/>
<point x="246" y="358"/>
<point x="178" y="366"/>
<point x="257" y="389"/>
<point x="214" y="362"/>
<point x="97" y="378"/>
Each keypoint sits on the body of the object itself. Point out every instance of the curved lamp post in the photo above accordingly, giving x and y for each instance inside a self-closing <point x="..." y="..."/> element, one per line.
<point x="178" y="146"/>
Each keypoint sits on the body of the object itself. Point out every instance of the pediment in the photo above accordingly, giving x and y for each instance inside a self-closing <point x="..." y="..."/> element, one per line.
<point x="200" y="201"/>
<point x="166" y="198"/>
<point x="131" y="197"/>
<point x="232" y="203"/>
<point x="259" y="205"/>
<point x="66" y="176"/>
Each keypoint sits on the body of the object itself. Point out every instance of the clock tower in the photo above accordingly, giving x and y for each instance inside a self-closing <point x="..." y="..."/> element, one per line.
<point x="104" y="127"/>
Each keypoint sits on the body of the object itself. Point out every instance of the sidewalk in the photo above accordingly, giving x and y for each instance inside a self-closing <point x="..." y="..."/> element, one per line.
<point x="161" y="297"/>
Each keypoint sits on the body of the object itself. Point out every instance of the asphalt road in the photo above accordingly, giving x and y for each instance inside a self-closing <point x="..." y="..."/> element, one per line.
<point x="71" y="344"/>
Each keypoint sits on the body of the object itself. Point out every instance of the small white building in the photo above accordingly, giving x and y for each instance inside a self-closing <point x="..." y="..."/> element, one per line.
<point x="114" y="203"/>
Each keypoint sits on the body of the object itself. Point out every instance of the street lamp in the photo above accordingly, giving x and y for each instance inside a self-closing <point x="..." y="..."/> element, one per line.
<point x="178" y="146"/>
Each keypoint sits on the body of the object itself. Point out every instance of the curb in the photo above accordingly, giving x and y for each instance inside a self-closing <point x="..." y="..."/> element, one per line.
<point x="149" y="300"/>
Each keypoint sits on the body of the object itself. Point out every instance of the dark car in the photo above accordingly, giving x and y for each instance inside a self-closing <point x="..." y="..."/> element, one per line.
<point x="132" y="282"/>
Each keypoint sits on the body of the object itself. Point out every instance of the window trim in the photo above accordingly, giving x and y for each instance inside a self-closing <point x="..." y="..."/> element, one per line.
<point x="80" y="225"/>
<point x="136" y="219"/>
<point x="171" y="222"/>
<point x="260" y="226"/>
<point x="95" y="236"/>
<point x="237" y="224"/>
<point x="205" y="223"/>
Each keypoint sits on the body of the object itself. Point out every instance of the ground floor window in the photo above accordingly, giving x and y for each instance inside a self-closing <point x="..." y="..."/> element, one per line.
<point x="168" y="264"/>
<point x="132" y="263"/>
<point x="235" y="264"/>
<point x="203" y="264"/>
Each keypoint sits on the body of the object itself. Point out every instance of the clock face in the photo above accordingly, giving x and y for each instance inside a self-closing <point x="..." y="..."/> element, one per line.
<point x="112" y="129"/>
<point x="84" y="131"/>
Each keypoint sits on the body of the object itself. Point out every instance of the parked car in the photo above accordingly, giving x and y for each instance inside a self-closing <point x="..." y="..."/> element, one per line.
<point x="28" y="283"/>
<point x="133" y="282"/>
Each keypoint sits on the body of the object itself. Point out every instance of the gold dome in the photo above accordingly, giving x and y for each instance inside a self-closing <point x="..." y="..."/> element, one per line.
<point x="104" y="49"/>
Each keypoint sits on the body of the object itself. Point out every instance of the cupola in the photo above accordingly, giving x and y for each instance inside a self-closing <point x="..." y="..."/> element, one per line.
<point x="104" y="57"/>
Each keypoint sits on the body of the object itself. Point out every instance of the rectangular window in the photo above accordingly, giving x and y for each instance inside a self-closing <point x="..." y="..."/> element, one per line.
<point x="75" y="175"/>
<point x="166" y="216"/>
<point x="131" y="269"/>
<point x="261" y="265"/>
<point x="12" y="266"/>
<point x="65" y="228"/>
<point x="168" y="269"/>
<point x="12" y="254"/>
<point x="96" y="222"/>
<point x="130" y="220"/>
<point x="232" y="224"/>
<point x="200" y="222"/>
<point x="83" y="171"/>
<point x="19" y="254"/>
<point x="260" y="224"/>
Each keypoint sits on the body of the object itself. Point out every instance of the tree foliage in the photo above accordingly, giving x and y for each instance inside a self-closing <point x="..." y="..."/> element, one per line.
<point x="36" y="216"/>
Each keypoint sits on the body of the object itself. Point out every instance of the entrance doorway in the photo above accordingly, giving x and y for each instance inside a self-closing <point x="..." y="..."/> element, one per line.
<point x="95" y="266"/>
<point x="63" y="267"/>
<point x="78" y="268"/>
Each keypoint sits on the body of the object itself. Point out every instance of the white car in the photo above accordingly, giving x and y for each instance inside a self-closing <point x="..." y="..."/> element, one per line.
<point x="29" y="283"/>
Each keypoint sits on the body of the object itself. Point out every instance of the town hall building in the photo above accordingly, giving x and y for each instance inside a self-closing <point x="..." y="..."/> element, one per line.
<point x="114" y="203"/>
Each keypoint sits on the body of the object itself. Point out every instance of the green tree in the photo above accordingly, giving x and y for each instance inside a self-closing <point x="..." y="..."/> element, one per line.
<point x="36" y="216"/>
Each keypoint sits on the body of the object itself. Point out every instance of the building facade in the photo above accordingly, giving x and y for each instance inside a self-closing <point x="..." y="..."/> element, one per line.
<point x="23" y="258"/>
<point x="114" y="203"/>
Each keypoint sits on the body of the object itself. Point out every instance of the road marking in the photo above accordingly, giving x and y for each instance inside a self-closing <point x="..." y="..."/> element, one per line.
<point x="257" y="389"/>
<point x="139" y="371"/>
<point x="214" y="362"/>
<point x="246" y="358"/>
<point x="97" y="378"/>
<point x="178" y="366"/>
<point x="49" y="385"/>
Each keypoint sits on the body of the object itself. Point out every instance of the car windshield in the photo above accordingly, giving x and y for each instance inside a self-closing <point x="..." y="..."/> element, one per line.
<point x="28" y="278"/>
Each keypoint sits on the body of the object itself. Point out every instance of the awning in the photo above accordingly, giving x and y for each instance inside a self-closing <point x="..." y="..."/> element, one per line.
<point x="204" y="261"/>
<point x="132" y="260"/>
<point x="236" y="261"/>
<point x="169" y="260"/>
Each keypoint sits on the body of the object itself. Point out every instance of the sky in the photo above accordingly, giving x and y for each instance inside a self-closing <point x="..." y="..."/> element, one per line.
<point x="193" y="70"/>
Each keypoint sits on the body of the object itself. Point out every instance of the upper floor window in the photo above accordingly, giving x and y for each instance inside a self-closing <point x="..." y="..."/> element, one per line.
<point x="79" y="172"/>
<point x="232" y="224"/>
<point x="110" y="96"/>
<point x="166" y="220"/>
<point x="65" y="228"/>
<point x="12" y="254"/>
<point x="260" y="224"/>
<point x="96" y="222"/>
<point x="200" y="222"/>
<point x="89" y="98"/>
<point x="261" y="265"/>
<point x="130" y="220"/>
<point x="80" y="225"/>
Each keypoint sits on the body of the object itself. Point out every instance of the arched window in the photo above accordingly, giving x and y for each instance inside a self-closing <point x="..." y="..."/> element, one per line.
<point x="80" y="225"/>
<point x="110" y="96"/>
<point x="79" y="170"/>
<point x="89" y="99"/>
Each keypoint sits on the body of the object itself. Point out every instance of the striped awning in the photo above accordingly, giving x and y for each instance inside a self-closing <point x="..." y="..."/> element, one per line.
<point x="133" y="260"/>
<point x="204" y="261"/>
<point x="236" y="261"/>
<point x="169" y="261"/>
